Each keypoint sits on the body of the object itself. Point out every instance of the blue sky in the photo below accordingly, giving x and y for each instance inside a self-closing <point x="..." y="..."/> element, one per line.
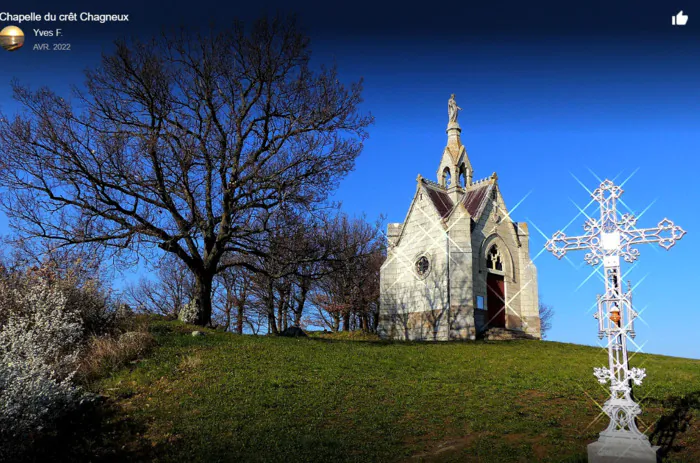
<point x="551" y="96"/>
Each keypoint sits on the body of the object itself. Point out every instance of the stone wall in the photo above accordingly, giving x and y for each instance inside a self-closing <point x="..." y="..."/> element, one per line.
<point x="461" y="275"/>
<point x="413" y="306"/>
<point x="520" y="277"/>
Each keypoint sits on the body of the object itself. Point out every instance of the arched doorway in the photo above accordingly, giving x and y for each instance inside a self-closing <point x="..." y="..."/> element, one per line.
<point x="495" y="289"/>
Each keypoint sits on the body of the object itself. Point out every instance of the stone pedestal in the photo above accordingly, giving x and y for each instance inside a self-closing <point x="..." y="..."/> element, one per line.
<point x="453" y="129"/>
<point x="622" y="450"/>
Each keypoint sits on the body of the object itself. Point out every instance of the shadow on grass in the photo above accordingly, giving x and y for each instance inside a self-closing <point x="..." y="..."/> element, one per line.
<point x="674" y="423"/>
<point x="401" y="342"/>
<point x="378" y="342"/>
<point x="97" y="432"/>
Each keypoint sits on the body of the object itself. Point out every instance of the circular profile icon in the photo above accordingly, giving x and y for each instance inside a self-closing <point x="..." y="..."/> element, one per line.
<point x="11" y="38"/>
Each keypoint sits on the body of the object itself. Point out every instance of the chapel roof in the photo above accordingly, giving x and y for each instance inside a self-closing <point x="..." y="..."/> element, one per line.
<point x="474" y="199"/>
<point x="441" y="200"/>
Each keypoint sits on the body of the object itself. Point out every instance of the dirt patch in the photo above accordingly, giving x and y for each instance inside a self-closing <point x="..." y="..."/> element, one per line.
<point x="436" y="452"/>
<point x="515" y="438"/>
<point x="448" y="446"/>
<point x="535" y="393"/>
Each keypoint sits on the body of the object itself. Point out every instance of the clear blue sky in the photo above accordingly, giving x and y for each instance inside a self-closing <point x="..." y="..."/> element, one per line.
<point x="548" y="92"/>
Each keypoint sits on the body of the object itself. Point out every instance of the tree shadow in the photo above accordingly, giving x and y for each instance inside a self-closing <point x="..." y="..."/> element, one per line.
<point x="674" y="423"/>
<point x="403" y="318"/>
<point x="96" y="431"/>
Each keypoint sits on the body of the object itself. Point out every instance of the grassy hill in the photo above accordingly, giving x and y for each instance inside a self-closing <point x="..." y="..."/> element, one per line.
<point x="222" y="397"/>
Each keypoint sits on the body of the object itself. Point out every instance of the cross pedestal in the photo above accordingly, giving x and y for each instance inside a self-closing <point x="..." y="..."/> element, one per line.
<point x="607" y="240"/>
<point x="622" y="450"/>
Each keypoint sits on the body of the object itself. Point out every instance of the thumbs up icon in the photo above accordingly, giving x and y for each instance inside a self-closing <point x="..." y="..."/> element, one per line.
<point x="680" y="19"/>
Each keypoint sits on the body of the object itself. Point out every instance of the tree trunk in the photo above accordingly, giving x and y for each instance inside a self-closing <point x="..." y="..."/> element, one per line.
<point x="346" y="320"/>
<point x="280" y="318"/>
<point x="202" y="295"/>
<point x="300" y="305"/>
<point x="336" y="322"/>
<point x="271" y="322"/>
<point x="240" y="307"/>
<point x="364" y="321"/>
<point x="228" y="318"/>
<point x="282" y="310"/>
<point x="239" y="319"/>
<point x="285" y="316"/>
<point x="375" y="322"/>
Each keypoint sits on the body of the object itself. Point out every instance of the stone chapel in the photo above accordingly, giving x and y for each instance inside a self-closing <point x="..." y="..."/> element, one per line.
<point x="458" y="265"/>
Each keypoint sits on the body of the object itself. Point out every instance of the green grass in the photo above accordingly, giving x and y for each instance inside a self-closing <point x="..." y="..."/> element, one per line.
<point x="223" y="397"/>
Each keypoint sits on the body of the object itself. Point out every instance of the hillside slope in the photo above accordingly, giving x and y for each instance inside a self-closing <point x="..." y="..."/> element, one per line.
<point x="222" y="397"/>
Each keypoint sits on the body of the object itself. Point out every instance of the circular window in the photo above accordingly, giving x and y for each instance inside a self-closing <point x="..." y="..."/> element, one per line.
<point x="422" y="266"/>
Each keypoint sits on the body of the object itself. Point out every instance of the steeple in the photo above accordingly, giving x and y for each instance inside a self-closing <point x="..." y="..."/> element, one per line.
<point x="455" y="172"/>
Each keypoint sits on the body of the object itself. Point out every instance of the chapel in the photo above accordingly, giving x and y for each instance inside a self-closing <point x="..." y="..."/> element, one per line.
<point x="458" y="266"/>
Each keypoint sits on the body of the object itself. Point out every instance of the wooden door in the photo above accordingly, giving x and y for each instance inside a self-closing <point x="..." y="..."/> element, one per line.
<point x="495" y="301"/>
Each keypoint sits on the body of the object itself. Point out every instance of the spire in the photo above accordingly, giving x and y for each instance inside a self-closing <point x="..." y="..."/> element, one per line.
<point x="455" y="170"/>
<point x="454" y="142"/>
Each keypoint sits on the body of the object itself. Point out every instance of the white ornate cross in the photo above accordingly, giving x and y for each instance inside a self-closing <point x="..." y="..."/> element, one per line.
<point x="607" y="239"/>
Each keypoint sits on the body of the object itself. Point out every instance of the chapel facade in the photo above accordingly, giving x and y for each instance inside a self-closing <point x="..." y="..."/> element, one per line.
<point x="458" y="265"/>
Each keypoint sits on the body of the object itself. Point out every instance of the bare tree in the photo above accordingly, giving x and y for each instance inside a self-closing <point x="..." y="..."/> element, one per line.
<point x="172" y="287"/>
<point x="186" y="144"/>
<point x="234" y="296"/>
<point x="350" y="289"/>
<point x="295" y="245"/>
<point x="546" y="315"/>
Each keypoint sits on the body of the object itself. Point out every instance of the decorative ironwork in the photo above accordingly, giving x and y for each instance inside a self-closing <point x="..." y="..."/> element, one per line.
<point x="607" y="240"/>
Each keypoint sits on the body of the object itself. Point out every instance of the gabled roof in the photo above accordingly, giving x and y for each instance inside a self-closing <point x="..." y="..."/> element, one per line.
<point x="420" y="186"/>
<point x="474" y="200"/>
<point x="442" y="202"/>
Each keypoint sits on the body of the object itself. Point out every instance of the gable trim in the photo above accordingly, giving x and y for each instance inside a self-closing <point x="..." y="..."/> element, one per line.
<point x="420" y="188"/>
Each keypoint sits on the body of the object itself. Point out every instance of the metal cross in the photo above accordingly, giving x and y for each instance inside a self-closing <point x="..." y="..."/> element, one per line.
<point x="608" y="239"/>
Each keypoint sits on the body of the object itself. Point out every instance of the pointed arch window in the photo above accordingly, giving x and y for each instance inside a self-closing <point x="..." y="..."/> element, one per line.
<point x="462" y="176"/>
<point x="445" y="180"/>
<point x="494" y="259"/>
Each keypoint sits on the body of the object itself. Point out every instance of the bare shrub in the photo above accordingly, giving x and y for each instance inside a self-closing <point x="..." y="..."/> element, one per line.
<point x="191" y="362"/>
<point x="106" y="354"/>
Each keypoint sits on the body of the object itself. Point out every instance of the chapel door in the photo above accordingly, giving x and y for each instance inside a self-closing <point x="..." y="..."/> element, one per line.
<point x="495" y="301"/>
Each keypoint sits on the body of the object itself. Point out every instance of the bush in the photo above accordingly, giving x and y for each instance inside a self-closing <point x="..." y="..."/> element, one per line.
<point x="188" y="313"/>
<point x="106" y="354"/>
<point x="92" y="305"/>
<point x="39" y="349"/>
<point x="83" y="296"/>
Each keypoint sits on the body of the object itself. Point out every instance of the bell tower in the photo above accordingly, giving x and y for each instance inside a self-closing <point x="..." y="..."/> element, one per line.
<point x="455" y="172"/>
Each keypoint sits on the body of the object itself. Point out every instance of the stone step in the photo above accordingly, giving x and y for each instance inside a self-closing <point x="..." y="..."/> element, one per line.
<point x="502" y="334"/>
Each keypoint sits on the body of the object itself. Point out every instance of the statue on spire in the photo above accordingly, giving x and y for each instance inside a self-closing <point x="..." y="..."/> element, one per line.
<point x="452" y="108"/>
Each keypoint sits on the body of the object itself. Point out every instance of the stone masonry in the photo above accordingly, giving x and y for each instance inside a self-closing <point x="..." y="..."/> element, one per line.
<point x="457" y="232"/>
